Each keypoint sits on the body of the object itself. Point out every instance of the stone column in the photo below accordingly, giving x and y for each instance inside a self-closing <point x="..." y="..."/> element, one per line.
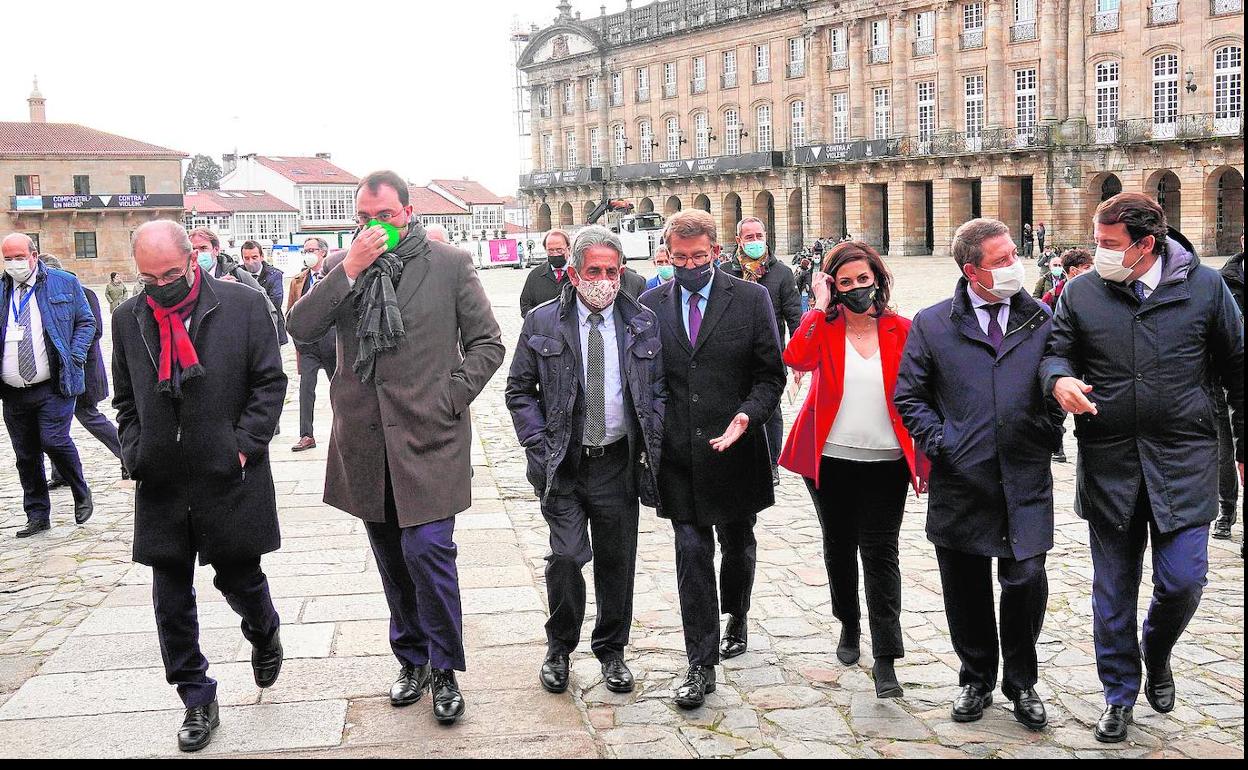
<point x="995" y="86"/>
<point x="1050" y="62"/>
<point x="817" y="129"/>
<point x="1062" y="59"/>
<point x="856" y="224"/>
<point x="947" y="81"/>
<point x="858" y="107"/>
<point x="943" y="225"/>
<point x="1076" y="71"/>
<point x="900" y="58"/>
<point x="990" y="198"/>
<point x="537" y="127"/>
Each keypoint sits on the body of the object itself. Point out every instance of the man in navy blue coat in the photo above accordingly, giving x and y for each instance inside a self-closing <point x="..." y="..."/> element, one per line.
<point x="1136" y="352"/>
<point x="969" y="392"/>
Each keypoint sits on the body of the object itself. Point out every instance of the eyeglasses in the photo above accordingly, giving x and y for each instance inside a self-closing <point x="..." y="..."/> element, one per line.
<point x="696" y="260"/>
<point x="310" y="251"/>
<point x="169" y="276"/>
<point x="381" y="216"/>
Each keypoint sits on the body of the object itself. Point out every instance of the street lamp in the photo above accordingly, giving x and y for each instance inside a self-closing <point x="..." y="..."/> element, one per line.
<point x="1190" y="78"/>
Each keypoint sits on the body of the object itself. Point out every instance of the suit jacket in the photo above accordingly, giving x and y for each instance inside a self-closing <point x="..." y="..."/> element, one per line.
<point x="412" y="418"/>
<point x="735" y="368"/>
<point x="539" y="288"/>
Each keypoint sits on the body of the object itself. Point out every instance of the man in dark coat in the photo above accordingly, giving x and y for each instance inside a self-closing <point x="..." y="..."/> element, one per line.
<point x="969" y="392"/>
<point x="632" y="282"/>
<point x="1135" y="354"/>
<point x="268" y="276"/>
<point x="223" y="267"/>
<point x="418" y="343"/>
<point x="45" y="339"/>
<point x="1228" y="474"/>
<point x="721" y="359"/>
<point x="546" y="282"/>
<point x="754" y="263"/>
<point x="315" y="355"/>
<point x="587" y="395"/>
<point x="199" y="392"/>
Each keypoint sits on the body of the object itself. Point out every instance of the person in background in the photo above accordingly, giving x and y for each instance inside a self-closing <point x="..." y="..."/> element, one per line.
<point x="545" y="282"/>
<point x="219" y="265"/>
<point x="1050" y="277"/>
<point x="662" y="263"/>
<point x="849" y="444"/>
<point x="1228" y="476"/>
<point x="803" y="278"/>
<point x="1029" y="242"/>
<point x="269" y="277"/>
<point x="1042" y="234"/>
<point x="1135" y="354"/>
<point x="312" y="356"/>
<point x="437" y="234"/>
<point x="1075" y="262"/>
<point x="116" y="292"/>
<point x="632" y="282"/>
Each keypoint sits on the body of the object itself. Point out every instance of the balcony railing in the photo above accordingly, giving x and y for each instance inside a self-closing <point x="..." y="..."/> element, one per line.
<point x="924" y="46"/>
<point x="643" y="95"/>
<point x="593" y="103"/>
<point x="669" y="90"/>
<point x="1180" y="128"/>
<point x="697" y="86"/>
<point x="796" y="69"/>
<point x="728" y="80"/>
<point x="1163" y="13"/>
<point x="617" y="99"/>
<point x="1106" y="21"/>
<point x="878" y="55"/>
<point x="1024" y="31"/>
<point x="1224" y="7"/>
<point x="569" y="108"/>
<point x="762" y="75"/>
<point x="972" y="38"/>
<point x="838" y="61"/>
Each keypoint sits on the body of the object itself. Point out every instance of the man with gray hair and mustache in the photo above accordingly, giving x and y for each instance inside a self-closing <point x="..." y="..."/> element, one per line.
<point x="587" y="396"/>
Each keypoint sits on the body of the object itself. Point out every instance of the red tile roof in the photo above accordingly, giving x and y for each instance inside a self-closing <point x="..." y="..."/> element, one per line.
<point x="427" y="202"/>
<point x="472" y="193"/>
<point x="75" y="140"/>
<point x="236" y="201"/>
<point x="307" y="170"/>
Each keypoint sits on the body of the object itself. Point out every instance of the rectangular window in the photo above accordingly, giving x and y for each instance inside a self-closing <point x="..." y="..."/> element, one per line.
<point x="1024" y="10"/>
<point x="569" y="148"/>
<point x="797" y="125"/>
<point x="595" y="147"/>
<point x="701" y="135"/>
<point x="699" y="75"/>
<point x="925" y="25"/>
<point x="617" y="89"/>
<point x="646" y="146"/>
<point x="974" y="104"/>
<point x="1228" y="86"/>
<point x="840" y="117"/>
<point x="84" y="245"/>
<point x="82" y="185"/>
<point x="732" y="132"/>
<point x="882" y="123"/>
<point x="548" y="152"/>
<point x="762" y="133"/>
<point x="797" y="57"/>
<point x="619" y="146"/>
<point x="138" y="185"/>
<point x="26" y="185"/>
<point x="762" y="63"/>
<point x="1165" y="92"/>
<point x="669" y="80"/>
<point x="972" y="17"/>
<point x="643" y="84"/>
<point x="1107" y="96"/>
<point x="673" y="139"/>
<point x="1025" y="96"/>
<point x="729" y="77"/>
<point x="926" y="102"/>
<point x="838" y="46"/>
<point x="879" y="53"/>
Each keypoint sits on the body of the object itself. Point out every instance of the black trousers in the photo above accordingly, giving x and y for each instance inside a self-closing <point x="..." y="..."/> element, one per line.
<point x="310" y="366"/>
<point x="773" y="429"/>
<point x="860" y="506"/>
<point x="38" y="419"/>
<point x="89" y="417"/>
<point x="601" y="504"/>
<point x="1228" y="469"/>
<point x="700" y="608"/>
<point x="966" y="582"/>
<point x="244" y="587"/>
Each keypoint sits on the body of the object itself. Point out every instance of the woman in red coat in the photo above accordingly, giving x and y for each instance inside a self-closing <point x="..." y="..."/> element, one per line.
<point x="858" y="460"/>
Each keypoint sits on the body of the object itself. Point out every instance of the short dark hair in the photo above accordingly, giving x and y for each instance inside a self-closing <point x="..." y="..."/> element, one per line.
<point x="856" y="251"/>
<point x="250" y="245"/>
<point x="377" y="179"/>
<point x="1142" y="216"/>
<point x="1072" y="258"/>
<point x="968" y="241"/>
<point x="112" y="275"/>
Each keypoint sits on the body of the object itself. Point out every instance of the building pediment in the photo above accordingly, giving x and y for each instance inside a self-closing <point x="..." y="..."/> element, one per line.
<point x="559" y="43"/>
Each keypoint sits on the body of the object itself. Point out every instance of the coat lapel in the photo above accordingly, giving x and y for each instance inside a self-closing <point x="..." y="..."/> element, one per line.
<point x="569" y="327"/>
<point x="207" y="303"/>
<point x="148" y="331"/>
<point x="414" y="274"/>
<point x="721" y="298"/>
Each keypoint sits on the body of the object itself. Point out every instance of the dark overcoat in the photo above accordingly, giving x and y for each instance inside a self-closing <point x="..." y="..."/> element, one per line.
<point x="95" y="373"/>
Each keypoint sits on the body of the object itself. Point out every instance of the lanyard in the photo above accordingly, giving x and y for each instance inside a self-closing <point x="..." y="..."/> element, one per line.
<point x="19" y="309"/>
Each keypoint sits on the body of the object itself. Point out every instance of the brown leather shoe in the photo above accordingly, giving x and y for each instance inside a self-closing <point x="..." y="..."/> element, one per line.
<point x="305" y="443"/>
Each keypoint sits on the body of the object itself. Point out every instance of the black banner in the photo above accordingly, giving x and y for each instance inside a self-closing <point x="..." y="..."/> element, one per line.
<point x="865" y="149"/>
<point x="78" y="202"/>
<point x="576" y="176"/>
<point x="724" y="164"/>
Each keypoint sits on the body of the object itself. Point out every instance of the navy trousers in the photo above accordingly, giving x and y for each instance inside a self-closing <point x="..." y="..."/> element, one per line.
<point x="38" y="420"/>
<point x="421" y="581"/>
<point x="88" y="416"/>
<point x="700" y="608"/>
<point x="244" y="587"/>
<point x="1180" y="569"/>
<point x="773" y="429"/>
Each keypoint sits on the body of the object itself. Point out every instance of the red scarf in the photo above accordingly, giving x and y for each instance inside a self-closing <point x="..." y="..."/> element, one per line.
<point x="176" y="348"/>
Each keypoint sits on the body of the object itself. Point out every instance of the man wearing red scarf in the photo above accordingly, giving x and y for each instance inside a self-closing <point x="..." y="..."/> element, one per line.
<point x="199" y="391"/>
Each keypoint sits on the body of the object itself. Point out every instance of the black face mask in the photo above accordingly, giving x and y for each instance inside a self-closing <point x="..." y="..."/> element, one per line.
<point x="171" y="293"/>
<point x="857" y="300"/>
<point x="695" y="279"/>
<point x="557" y="262"/>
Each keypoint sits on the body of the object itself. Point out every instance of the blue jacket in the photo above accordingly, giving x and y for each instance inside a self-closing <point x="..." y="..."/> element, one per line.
<point x="68" y="326"/>
<point x="545" y="392"/>
<point x="983" y="420"/>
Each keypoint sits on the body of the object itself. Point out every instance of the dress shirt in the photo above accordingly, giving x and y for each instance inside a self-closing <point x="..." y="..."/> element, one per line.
<point x="1152" y="279"/>
<point x="981" y="310"/>
<point x="705" y="292"/>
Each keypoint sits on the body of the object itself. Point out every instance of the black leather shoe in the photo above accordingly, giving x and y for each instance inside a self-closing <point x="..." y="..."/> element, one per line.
<point x="83" y="510"/>
<point x="847" y="650"/>
<point x="197" y="727"/>
<point x="448" y="701"/>
<point x="885" y="676"/>
<point x="775" y="475"/>
<point x="57" y="483"/>
<point x="33" y="528"/>
<point x="616" y="676"/>
<point x="970" y="704"/>
<point x="1159" y="689"/>
<point x="1112" y="726"/>
<point x="736" y="638"/>
<point x="1222" y="527"/>
<point x="699" y="682"/>
<point x="1029" y="710"/>
<point x="410" y="685"/>
<point x="555" y="673"/>
<point x="266" y="662"/>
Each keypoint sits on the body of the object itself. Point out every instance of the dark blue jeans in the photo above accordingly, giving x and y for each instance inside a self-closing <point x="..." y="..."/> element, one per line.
<point x="1180" y="567"/>
<point x="38" y="420"/>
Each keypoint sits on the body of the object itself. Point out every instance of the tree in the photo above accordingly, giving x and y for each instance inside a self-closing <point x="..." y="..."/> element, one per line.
<point x="202" y="174"/>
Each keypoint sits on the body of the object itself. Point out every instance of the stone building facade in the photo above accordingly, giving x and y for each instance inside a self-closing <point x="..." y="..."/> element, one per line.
<point x="893" y="121"/>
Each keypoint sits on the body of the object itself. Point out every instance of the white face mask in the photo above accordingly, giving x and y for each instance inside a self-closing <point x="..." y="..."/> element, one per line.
<point x="18" y="270"/>
<point x="1007" y="281"/>
<point x="598" y="294"/>
<point x="1109" y="264"/>
<point x="310" y="260"/>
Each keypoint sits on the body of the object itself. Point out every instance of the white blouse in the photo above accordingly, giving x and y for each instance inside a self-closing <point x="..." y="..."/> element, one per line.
<point x="863" y="430"/>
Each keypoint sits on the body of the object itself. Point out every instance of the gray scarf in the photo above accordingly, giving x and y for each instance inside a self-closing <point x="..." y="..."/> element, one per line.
<point x="377" y="306"/>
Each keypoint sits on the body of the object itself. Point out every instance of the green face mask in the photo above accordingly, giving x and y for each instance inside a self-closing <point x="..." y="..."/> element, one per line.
<point x="755" y="249"/>
<point x="393" y="234"/>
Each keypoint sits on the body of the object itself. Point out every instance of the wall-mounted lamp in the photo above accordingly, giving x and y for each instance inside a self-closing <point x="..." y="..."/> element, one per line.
<point x="1190" y="78"/>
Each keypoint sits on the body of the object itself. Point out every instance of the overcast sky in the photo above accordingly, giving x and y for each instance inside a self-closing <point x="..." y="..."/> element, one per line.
<point x="425" y="88"/>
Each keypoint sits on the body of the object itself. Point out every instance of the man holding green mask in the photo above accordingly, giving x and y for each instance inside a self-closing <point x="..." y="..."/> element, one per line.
<point x="755" y="263"/>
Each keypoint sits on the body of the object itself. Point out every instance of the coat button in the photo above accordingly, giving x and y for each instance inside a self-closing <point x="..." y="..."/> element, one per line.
<point x="545" y="351"/>
<point x="693" y="365"/>
<point x="372" y="427"/>
<point x="1000" y="423"/>
<point x="699" y="432"/>
<point x="1015" y="541"/>
<point x="695" y="398"/>
<point x="1139" y="378"/>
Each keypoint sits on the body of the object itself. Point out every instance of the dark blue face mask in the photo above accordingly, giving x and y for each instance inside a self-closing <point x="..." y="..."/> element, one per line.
<point x="695" y="279"/>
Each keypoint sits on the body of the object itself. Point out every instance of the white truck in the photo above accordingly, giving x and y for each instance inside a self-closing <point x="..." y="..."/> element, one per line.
<point x="641" y="234"/>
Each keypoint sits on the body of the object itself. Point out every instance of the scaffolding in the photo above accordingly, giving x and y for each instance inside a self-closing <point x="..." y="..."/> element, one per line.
<point x="524" y="117"/>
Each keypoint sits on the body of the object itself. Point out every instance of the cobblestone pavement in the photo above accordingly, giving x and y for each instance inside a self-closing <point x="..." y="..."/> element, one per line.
<point x="80" y="668"/>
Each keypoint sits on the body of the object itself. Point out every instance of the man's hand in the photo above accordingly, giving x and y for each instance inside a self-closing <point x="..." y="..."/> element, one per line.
<point x="365" y="250"/>
<point x="736" y="429"/>
<point x="228" y="279"/>
<point x="242" y="460"/>
<point x="1072" y="394"/>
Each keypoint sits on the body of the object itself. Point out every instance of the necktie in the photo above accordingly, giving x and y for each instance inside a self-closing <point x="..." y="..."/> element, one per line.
<point x="695" y="317"/>
<point x="595" y="386"/>
<point x="26" y="348"/>
<point x="995" y="333"/>
<point x="558" y="276"/>
<point x="1138" y="287"/>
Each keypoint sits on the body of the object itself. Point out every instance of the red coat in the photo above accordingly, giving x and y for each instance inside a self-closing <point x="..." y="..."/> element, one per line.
<point x="819" y="347"/>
